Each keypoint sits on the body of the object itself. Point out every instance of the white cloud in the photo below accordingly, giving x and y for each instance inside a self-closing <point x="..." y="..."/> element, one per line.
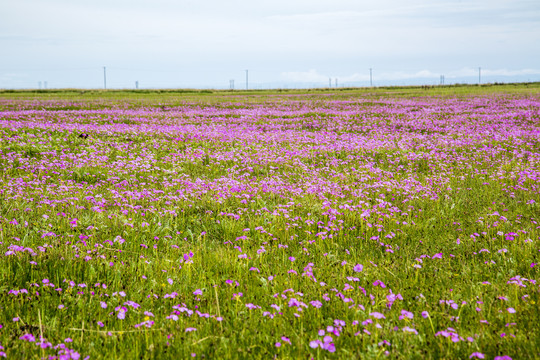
<point x="303" y="76"/>
<point x="313" y="76"/>
<point x="465" y="72"/>
<point x="401" y="75"/>
<point x="505" y="72"/>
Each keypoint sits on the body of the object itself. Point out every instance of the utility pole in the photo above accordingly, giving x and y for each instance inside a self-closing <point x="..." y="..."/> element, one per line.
<point x="231" y="84"/>
<point x="39" y="85"/>
<point x="479" y="75"/>
<point x="329" y="82"/>
<point x="336" y="82"/>
<point x="45" y="84"/>
<point x="104" y="77"/>
<point x="370" y="77"/>
<point x="137" y="84"/>
<point x="247" y="82"/>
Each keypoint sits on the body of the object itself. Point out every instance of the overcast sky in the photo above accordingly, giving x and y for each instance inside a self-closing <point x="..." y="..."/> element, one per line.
<point x="184" y="43"/>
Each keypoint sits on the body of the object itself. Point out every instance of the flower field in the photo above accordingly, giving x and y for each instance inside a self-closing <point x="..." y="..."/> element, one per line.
<point x="351" y="224"/>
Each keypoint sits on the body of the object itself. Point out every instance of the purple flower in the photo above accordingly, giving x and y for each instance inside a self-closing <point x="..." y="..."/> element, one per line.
<point x="476" y="355"/>
<point x="377" y="315"/>
<point x="197" y="292"/>
<point x="358" y="267"/>
<point x="330" y="347"/>
<point x="190" y="329"/>
<point x="327" y="339"/>
<point x="511" y="310"/>
<point x="408" y="329"/>
<point x="329" y="329"/>
<point x="406" y="315"/>
<point x="28" y="337"/>
<point x="121" y="314"/>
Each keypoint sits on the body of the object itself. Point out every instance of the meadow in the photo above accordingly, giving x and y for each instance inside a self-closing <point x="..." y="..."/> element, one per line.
<point x="376" y="223"/>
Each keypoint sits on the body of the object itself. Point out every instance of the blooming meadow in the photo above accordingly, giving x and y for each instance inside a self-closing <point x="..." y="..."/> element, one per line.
<point x="350" y="224"/>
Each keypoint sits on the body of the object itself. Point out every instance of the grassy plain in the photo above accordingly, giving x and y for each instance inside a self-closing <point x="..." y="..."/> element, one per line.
<point x="350" y="223"/>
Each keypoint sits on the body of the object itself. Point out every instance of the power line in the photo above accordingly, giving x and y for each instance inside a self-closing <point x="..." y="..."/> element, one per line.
<point x="479" y="75"/>
<point x="442" y="80"/>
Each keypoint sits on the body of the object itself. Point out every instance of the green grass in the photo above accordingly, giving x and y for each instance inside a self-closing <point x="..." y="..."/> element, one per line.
<point x="136" y="207"/>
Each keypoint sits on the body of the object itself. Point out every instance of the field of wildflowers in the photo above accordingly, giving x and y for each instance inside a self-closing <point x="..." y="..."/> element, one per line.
<point x="304" y="225"/>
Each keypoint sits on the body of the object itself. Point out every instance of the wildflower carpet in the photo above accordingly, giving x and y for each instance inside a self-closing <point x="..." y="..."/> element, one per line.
<point x="348" y="224"/>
